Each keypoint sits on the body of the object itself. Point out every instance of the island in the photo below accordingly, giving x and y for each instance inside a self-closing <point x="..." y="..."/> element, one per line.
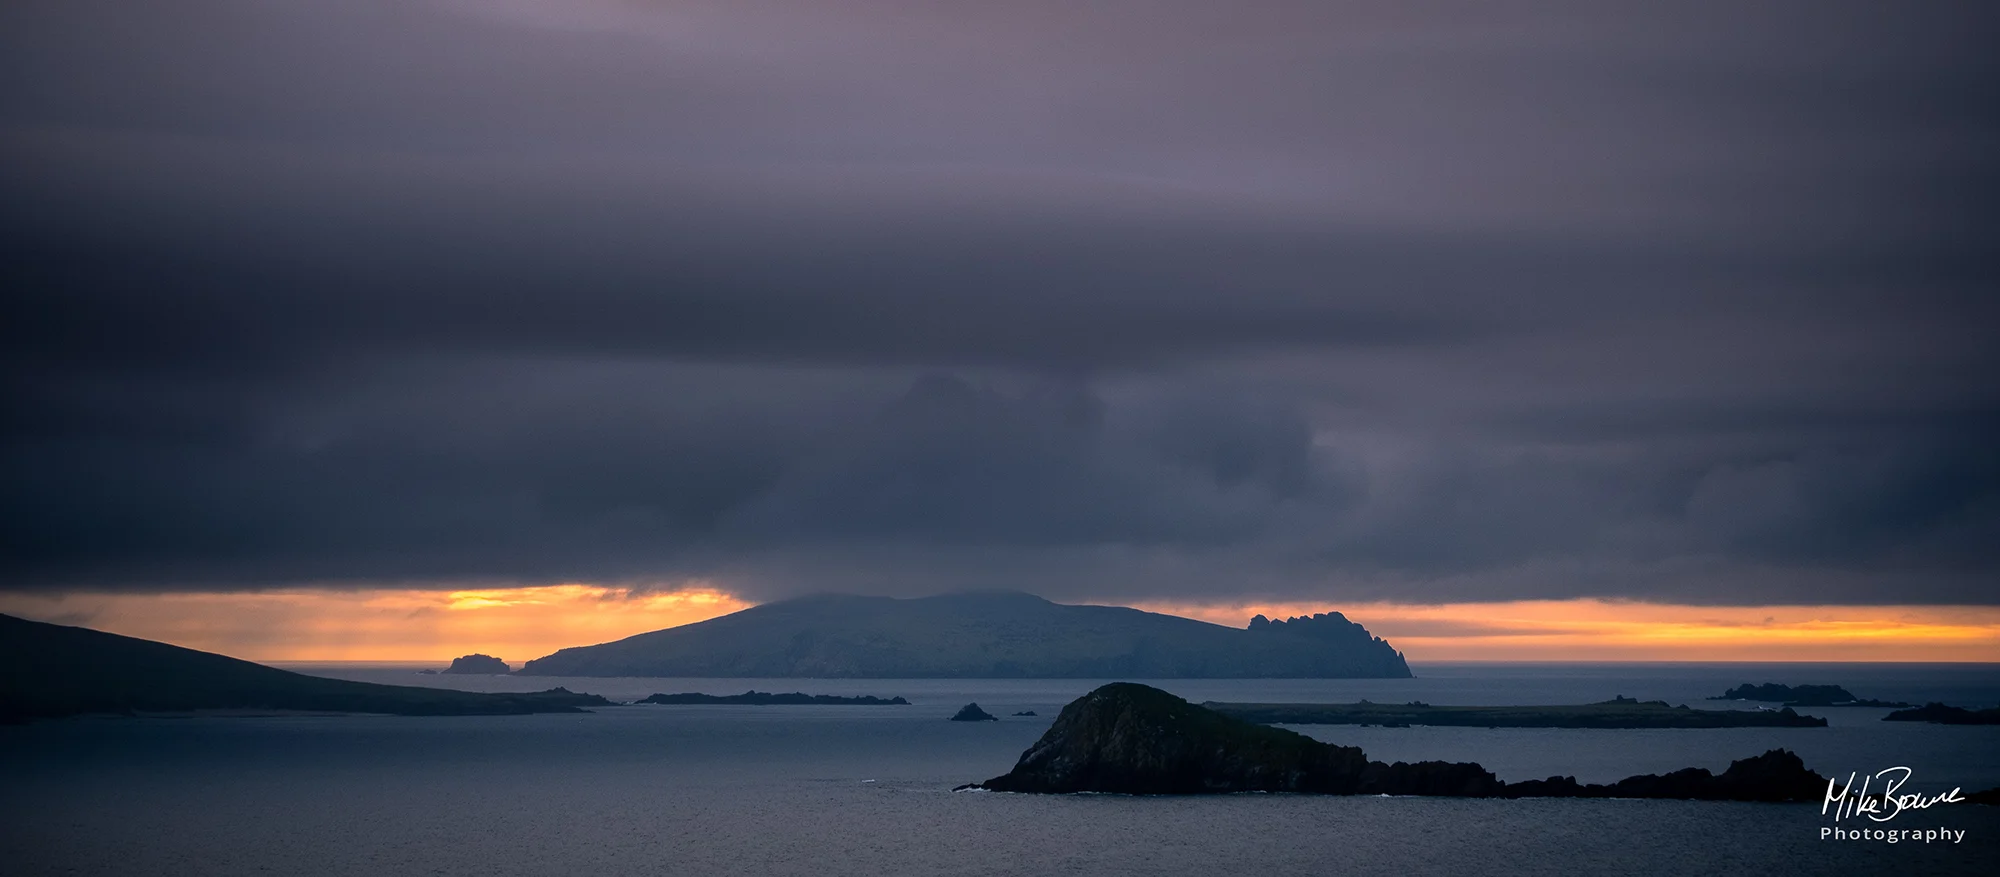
<point x="1620" y="712"/>
<point x="479" y="665"/>
<point x="52" y="670"/>
<point x="1025" y="713"/>
<point x="1134" y="739"/>
<point x="1940" y="714"/>
<point x="972" y="713"/>
<point x="1801" y="695"/>
<point x="765" y="698"/>
<point x="984" y="634"/>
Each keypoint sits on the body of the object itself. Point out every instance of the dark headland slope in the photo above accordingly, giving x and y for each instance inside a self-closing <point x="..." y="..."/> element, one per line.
<point x="1134" y="739"/>
<point x="980" y="635"/>
<point x="48" y="670"/>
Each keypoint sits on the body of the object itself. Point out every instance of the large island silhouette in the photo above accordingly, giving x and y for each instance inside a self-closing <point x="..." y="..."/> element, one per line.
<point x="988" y="634"/>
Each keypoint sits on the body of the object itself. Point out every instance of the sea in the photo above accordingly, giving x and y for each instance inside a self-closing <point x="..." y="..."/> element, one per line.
<point x="852" y="790"/>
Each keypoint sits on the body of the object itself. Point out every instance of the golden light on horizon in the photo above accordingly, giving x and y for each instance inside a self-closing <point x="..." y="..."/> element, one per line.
<point x="517" y="624"/>
<point x="514" y="624"/>
<point x="1611" y="630"/>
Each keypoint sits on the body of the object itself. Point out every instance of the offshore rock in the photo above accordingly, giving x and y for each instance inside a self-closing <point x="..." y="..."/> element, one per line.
<point x="1776" y="776"/>
<point x="478" y="665"/>
<point x="972" y="713"/>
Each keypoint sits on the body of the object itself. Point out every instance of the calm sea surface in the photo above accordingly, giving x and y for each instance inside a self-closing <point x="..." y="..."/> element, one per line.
<point x="866" y="790"/>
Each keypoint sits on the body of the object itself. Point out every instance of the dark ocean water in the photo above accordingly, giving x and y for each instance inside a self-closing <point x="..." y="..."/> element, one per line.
<point x="866" y="790"/>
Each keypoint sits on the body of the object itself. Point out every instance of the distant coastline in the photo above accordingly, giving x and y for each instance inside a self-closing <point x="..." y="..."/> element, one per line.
<point x="765" y="698"/>
<point x="1620" y="713"/>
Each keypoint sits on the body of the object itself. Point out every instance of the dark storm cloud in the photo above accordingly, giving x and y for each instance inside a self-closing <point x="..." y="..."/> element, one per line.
<point x="1401" y="300"/>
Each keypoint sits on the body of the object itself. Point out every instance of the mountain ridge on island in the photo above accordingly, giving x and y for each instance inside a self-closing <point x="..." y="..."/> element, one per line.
<point x="980" y="634"/>
<point x="52" y="671"/>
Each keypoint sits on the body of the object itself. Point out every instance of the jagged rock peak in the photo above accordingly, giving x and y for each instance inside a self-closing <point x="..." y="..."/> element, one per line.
<point x="972" y="713"/>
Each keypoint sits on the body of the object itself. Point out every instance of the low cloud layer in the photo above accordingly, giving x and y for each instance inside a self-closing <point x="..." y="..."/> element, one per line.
<point x="1340" y="301"/>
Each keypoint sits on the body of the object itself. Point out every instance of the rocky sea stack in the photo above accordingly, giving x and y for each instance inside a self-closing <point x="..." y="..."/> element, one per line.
<point x="1135" y="739"/>
<point x="972" y="713"/>
<point x="479" y="665"/>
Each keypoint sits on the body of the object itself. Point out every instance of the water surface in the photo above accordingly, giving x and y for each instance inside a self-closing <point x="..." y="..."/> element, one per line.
<point x="866" y="790"/>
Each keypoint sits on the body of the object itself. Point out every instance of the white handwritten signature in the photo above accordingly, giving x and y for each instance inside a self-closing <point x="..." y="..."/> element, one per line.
<point x="1850" y="800"/>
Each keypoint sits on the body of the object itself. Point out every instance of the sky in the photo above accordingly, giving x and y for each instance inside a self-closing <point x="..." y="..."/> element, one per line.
<point x="320" y="316"/>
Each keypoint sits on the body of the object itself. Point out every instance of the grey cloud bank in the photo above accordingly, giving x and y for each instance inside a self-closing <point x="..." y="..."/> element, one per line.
<point x="1342" y="301"/>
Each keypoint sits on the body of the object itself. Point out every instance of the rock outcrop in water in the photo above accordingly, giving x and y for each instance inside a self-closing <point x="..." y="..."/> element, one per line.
<point x="972" y="713"/>
<point x="1801" y="695"/>
<point x="478" y="665"/>
<point x="1135" y="739"/>
<point x="1776" y="776"/>
<point x="980" y="635"/>
<point x="1941" y="714"/>
<point x="765" y="698"/>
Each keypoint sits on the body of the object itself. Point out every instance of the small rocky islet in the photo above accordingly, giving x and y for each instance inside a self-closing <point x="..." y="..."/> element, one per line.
<point x="972" y="713"/>
<point x="478" y="665"/>
<point x="1134" y="739"/>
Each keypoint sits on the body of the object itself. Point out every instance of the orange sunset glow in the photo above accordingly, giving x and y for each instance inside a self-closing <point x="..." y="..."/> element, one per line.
<point x="1603" y="630"/>
<point x="517" y="624"/>
<point x="514" y="624"/>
